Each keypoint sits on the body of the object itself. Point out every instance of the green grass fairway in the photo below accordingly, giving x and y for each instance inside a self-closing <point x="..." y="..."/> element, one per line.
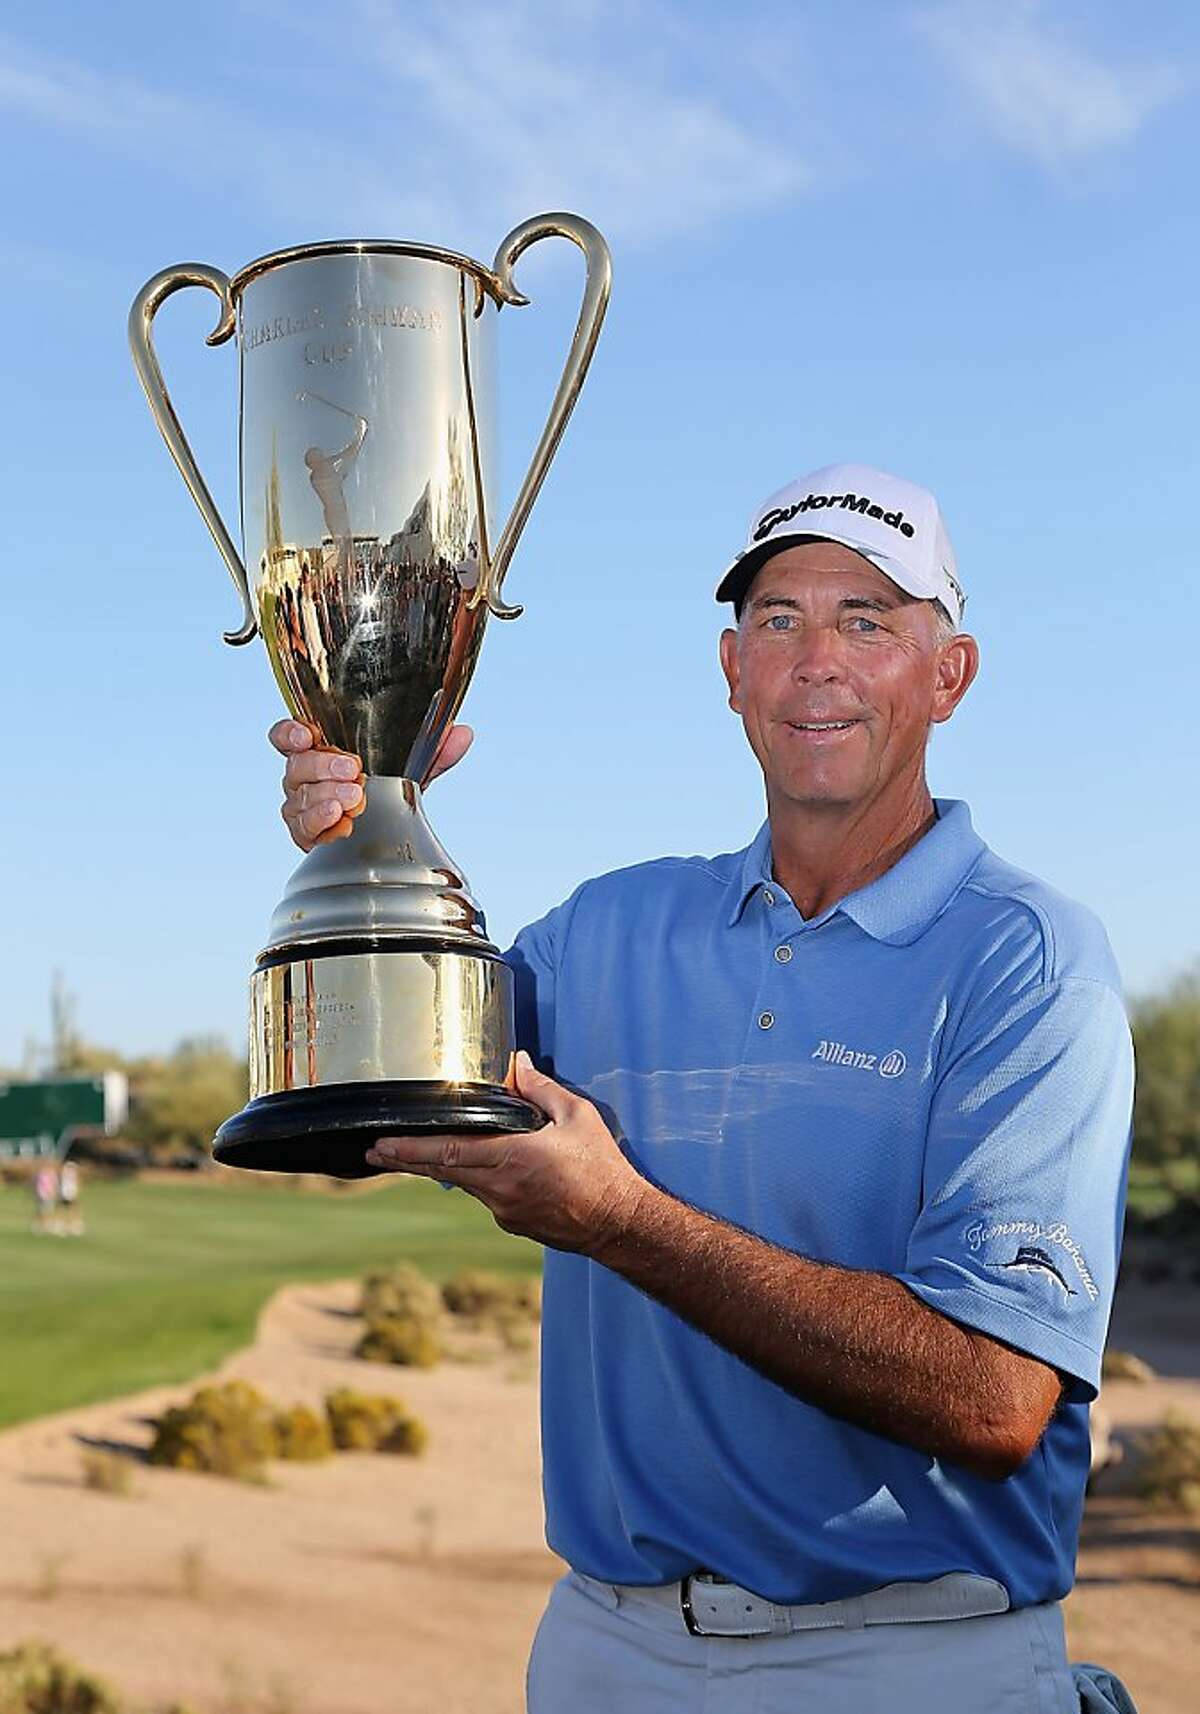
<point x="170" y="1277"/>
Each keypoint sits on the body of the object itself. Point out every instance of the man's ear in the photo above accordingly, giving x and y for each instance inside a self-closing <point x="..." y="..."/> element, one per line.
<point x="957" y="665"/>
<point x="730" y="665"/>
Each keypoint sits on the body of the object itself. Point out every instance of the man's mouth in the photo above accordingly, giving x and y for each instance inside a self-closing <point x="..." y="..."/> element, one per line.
<point x="822" y="725"/>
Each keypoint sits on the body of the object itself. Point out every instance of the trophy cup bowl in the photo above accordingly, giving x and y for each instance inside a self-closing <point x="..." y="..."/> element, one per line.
<point x="378" y="1003"/>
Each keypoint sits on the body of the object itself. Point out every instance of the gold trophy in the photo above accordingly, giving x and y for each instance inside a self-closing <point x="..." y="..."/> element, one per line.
<point x="378" y="1004"/>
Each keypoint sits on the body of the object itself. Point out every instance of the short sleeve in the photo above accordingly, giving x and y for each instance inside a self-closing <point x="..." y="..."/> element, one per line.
<point x="1024" y="1186"/>
<point x="532" y="958"/>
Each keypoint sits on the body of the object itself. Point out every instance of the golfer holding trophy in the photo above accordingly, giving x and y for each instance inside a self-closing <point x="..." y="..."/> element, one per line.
<point x="835" y="1125"/>
<point x="378" y="1003"/>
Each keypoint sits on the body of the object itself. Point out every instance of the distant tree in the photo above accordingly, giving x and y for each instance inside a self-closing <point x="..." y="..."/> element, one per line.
<point x="180" y="1100"/>
<point x="1166" y="1110"/>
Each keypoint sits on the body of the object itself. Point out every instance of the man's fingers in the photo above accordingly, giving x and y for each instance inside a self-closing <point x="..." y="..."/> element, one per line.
<point x="308" y="821"/>
<point x="445" y="1150"/>
<point x="310" y="766"/>
<point x="453" y="747"/>
<point x="555" y="1101"/>
<point x="288" y="736"/>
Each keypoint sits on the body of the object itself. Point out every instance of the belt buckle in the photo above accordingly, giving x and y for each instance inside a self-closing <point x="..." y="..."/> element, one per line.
<point x="692" y="1624"/>
<point x="685" y="1607"/>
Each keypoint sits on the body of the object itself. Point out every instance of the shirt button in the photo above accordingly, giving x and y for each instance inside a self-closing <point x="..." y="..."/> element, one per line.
<point x="768" y="896"/>
<point x="765" y="1020"/>
<point x="783" y="955"/>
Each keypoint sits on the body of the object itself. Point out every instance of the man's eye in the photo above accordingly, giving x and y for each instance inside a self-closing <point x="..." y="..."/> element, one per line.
<point x="858" y="623"/>
<point x="779" y="622"/>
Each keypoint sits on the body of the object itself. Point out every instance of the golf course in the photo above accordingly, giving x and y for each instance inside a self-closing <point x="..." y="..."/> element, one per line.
<point x="171" y="1273"/>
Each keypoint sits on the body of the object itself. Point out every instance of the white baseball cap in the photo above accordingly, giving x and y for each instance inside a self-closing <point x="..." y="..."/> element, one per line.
<point x="891" y="522"/>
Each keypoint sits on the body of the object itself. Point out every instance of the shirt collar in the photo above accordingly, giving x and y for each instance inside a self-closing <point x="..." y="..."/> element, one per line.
<point x="901" y="904"/>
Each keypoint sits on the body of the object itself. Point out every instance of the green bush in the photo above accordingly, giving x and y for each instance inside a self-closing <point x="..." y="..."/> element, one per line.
<point x="36" y="1679"/>
<point x="372" y="1422"/>
<point x="400" y="1291"/>
<point x="495" y="1299"/>
<point x="400" y="1339"/>
<point x="302" y="1435"/>
<point x="227" y="1430"/>
<point x="1170" y="1473"/>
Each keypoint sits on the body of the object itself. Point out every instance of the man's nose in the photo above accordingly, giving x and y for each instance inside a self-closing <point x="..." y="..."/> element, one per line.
<point x="819" y="654"/>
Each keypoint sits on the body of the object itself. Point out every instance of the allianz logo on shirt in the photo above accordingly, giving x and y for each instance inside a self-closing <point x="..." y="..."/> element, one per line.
<point x="892" y="1064"/>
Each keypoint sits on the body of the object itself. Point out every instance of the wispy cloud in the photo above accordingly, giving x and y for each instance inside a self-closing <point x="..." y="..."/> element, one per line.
<point x="598" y="106"/>
<point x="1045" y="95"/>
<point x="455" y="120"/>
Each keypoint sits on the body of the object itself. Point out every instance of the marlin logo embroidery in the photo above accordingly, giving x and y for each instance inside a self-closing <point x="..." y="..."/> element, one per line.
<point x="1029" y="1259"/>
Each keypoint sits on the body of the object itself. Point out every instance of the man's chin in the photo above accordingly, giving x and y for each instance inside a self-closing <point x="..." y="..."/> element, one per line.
<point x="816" y="798"/>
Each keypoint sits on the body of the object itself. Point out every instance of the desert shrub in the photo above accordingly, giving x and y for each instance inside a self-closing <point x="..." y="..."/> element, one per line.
<point x="227" y="1430"/>
<point x="400" y="1339"/>
<point x="409" y="1436"/>
<point x="372" y="1422"/>
<point x="36" y="1679"/>
<point x="484" y="1297"/>
<point x="1170" y="1473"/>
<point x="516" y="1332"/>
<point x="1124" y="1366"/>
<point x="302" y="1435"/>
<point x="106" y="1472"/>
<point x="400" y="1291"/>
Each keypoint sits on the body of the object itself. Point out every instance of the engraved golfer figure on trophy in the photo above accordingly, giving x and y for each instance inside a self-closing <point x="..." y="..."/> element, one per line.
<point x="378" y="1003"/>
<point x="326" y="470"/>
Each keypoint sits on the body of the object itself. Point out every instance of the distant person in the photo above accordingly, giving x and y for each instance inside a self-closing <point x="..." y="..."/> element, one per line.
<point x="831" y="1187"/>
<point x="68" y="1198"/>
<point x="45" y="1198"/>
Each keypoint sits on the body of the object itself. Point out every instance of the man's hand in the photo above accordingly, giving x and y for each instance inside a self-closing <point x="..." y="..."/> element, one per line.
<point x="567" y="1185"/>
<point x="323" y="788"/>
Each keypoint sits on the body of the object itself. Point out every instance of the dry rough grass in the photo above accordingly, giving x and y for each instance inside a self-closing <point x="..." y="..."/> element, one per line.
<point x="1125" y="1366"/>
<point x="36" y="1679"/>
<point x="401" y="1339"/>
<point x="484" y="1297"/>
<point x="228" y="1430"/>
<point x="1170" y="1470"/>
<point x="106" y="1472"/>
<point x="373" y="1422"/>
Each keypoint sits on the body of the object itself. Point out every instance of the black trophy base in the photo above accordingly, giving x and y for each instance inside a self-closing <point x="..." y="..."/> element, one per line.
<point x="330" y="1128"/>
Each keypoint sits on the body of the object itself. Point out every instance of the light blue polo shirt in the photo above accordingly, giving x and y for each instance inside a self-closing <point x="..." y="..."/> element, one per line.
<point x="932" y="1079"/>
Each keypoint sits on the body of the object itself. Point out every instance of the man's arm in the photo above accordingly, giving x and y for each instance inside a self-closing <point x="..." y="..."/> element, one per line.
<point x="859" y="1345"/>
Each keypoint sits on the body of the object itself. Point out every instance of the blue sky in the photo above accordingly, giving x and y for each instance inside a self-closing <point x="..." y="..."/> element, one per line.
<point x="957" y="240"/>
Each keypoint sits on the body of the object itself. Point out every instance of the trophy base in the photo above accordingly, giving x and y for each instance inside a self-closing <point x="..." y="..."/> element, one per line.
<point x="329" y="1129"/>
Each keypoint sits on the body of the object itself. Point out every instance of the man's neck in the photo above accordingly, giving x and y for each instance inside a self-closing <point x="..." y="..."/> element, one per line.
<point x="820" y="855"/>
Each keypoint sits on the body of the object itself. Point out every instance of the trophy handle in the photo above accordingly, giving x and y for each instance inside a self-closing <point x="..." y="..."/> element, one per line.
<point x="587" y="331"/>
<point x="145" y="306"/>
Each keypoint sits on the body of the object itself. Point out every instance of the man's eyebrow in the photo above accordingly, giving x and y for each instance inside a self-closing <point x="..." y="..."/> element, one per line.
<point x="873" y="603"/>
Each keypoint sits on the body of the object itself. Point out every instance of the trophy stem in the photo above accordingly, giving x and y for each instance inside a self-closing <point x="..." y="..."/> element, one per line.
<point x="379" y="1006"/>
<point x="392" y="878"/>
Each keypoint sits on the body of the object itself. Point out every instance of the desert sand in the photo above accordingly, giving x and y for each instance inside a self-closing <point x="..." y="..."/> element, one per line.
<point x="389" y="1585"/>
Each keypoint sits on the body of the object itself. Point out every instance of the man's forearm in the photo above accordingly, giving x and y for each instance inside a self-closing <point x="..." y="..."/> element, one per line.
<point x="859" y="1345"/>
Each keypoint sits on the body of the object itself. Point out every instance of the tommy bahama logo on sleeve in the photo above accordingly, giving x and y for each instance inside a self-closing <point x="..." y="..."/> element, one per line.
<point x="1037" y="1253"/>
<point x="892" y="1064"/>
<point x="860" y="503"/>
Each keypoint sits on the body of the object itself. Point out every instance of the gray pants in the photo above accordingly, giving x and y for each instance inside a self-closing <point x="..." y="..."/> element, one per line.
<point x="599" y="1649"/>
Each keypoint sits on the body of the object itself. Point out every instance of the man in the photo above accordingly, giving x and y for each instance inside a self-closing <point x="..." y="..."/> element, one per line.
<point x="831" y="1186"/>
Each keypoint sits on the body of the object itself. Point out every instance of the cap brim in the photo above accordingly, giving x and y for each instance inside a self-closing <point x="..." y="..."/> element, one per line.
<point x="740" y="575"/>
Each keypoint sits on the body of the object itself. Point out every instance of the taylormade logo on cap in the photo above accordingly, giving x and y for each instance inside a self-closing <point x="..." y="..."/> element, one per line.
<point x="812" y="502"/>
<point x="891" y="522"/>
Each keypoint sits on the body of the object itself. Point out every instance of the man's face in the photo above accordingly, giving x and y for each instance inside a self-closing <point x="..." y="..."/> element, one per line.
<point x="837" y="675"/>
